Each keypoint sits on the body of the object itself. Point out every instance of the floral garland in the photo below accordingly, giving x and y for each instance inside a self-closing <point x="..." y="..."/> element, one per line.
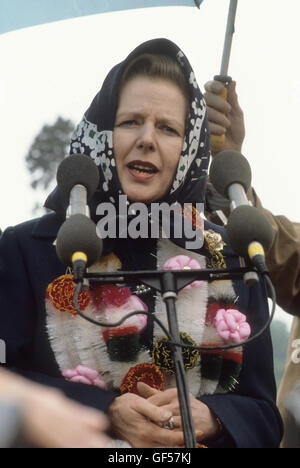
<point x="113" y="358"/>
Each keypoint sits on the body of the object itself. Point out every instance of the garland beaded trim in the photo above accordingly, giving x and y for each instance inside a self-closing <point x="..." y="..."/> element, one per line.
<point x="116" y="354"/>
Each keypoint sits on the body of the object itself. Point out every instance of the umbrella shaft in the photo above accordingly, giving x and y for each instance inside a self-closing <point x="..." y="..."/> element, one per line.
<point x="228" y="37"/>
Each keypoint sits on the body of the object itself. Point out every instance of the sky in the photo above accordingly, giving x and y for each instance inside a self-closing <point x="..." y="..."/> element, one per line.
<point x="56" y="69"/>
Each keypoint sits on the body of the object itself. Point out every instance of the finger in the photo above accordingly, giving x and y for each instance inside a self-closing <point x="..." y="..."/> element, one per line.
<point x="217" y="117"/>
<point x="145" y="390"/>
<point x="168" y="438"/>
<point x="232" y="97"/>
<point x="214" y="86"/>
<point x="178" y="427"/>
<point x="150" y="434"/>
<point x="162" y="399"/>
<point x="216" y="129"/>
<point x="175" y="437"/>
<point x="152" y="412"/>
<point x="177" y="422"/>
<point x="217" y="102"/>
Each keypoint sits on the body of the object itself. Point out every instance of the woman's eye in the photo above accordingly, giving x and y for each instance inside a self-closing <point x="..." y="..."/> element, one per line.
<point x="128" y="123"/>
<point x="169" y="129"/>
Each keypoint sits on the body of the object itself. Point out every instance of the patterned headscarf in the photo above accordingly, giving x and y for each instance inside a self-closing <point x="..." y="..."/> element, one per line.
<point x="94" y="137"/>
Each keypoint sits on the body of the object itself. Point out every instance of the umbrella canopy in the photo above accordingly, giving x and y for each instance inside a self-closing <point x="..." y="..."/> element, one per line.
<point x="16" y="14"/>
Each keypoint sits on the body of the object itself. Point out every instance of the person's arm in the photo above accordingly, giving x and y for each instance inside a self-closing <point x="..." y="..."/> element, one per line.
<point x="225" y="118"/>
<point x="283" y="259"/>
<point x="49" y="419"/>
<point x="22" y="322"/>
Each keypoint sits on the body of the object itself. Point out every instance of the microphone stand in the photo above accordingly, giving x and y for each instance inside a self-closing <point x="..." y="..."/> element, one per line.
<point x="169" y="295"/>
<point x="168" y="283"/>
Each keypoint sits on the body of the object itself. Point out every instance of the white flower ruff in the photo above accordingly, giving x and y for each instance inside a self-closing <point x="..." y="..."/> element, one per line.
<point x="76" y="341"/>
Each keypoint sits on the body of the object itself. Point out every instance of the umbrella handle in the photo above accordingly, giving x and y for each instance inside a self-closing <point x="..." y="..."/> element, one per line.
<point x="217" y="142"/>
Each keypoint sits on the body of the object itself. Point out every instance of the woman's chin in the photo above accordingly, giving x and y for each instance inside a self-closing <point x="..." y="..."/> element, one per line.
<point x="140" y="199"/>
<point x="138" y="196"/>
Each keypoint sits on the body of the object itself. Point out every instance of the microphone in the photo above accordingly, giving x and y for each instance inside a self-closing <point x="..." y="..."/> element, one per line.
<point x="77" y="179"/>
<point x="78" y="244"/>
<point x="249" y="232"/>
<point x="230" y="174"/>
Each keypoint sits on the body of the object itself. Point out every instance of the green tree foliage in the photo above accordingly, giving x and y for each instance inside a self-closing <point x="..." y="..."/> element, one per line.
<point x="280" y="339"/>
<point x="49" y="148"/>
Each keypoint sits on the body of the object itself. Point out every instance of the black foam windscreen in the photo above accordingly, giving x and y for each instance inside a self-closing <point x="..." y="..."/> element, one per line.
<point x="227" y="168"/>
<point x="78" y="234"/>
<point x="77" y="169"/>
<point x="247" y="224"/>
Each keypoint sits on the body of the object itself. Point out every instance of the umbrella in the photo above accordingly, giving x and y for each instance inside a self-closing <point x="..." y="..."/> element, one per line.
<point x="217" y="142"/>
<point x="16" y="14"/>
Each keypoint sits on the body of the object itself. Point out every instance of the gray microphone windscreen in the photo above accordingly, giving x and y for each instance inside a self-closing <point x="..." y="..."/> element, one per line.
<point x="247" y="224"/>
<point x="227" y="168"/>
<point x="78" y="234"/>
<point x="77" y="169"/>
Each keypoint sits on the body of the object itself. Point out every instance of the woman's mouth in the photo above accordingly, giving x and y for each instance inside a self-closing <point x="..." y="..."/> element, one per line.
<point x="142" y="170"/>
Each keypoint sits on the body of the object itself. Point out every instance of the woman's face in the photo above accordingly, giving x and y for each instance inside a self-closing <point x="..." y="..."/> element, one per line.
<point x="148" y="137"/>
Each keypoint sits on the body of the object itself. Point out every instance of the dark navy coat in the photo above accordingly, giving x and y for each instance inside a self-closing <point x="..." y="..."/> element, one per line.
<point x="28" y="263"/>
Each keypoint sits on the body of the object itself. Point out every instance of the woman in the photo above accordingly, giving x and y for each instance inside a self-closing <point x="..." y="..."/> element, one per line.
<point x="147" y="132"/>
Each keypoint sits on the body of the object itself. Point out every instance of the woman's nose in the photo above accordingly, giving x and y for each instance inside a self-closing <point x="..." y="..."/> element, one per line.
<point x="146" y="137"/>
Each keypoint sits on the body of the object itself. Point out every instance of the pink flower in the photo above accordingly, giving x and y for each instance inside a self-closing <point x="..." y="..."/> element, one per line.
<point x="183" y="262"/>
<point x="231" y="325"/>
<point x="133" y="303"/>
<point x="85" y="375"/>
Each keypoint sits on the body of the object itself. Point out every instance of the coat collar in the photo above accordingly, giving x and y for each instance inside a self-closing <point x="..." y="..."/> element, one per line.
<point x="47" y="226"/>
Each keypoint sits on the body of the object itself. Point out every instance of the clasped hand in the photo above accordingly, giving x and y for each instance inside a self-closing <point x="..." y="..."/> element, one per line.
<point x="140" y="419"/>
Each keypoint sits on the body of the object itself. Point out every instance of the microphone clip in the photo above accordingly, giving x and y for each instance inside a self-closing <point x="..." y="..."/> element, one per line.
<point x="79" y="261"/>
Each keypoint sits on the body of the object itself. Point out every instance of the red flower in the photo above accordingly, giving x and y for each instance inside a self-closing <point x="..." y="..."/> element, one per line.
<point x="61" y="292"/>
<point x="109" y="295"/>
<point x="116" y="332"/>
<point x="150" y="374"/>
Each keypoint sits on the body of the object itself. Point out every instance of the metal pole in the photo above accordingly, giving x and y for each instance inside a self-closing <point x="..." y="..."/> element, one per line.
<point x="169" y="295"/>
<point x="217" y="141"/>
<point x="228" y="37"/>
